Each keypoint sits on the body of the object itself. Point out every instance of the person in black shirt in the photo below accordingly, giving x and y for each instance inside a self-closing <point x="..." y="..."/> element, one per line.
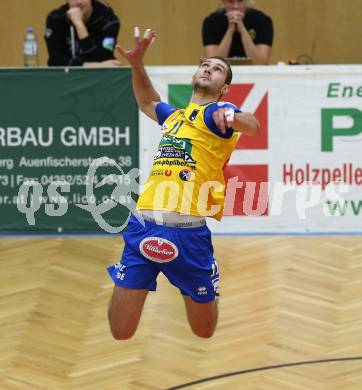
<point x="82" y="33"/>
<point x="238" y="31"/>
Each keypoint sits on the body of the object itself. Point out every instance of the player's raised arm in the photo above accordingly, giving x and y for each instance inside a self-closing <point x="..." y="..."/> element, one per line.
<point x="146" y="96"/>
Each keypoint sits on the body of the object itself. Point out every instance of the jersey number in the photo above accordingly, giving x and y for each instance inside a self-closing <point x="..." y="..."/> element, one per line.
<point x="176" y="128"/>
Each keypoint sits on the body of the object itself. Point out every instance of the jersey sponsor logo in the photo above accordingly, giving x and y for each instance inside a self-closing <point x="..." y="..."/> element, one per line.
<point x="186" y="175"/>
<point x="215" y="283"/>
<point x="161" y="172"/>
<point x="215" y="277"/>
<point x="189" y="159"/>
<point x="193" y="115"/>
<point x="157" y="172"/>
<point x="175" y="163"/>
<point x="121" y="271"/>
<point x="177" y="143"/>
<point x="158" y="249"/>
<point x="119" y="266"/>
<point x="175" y="148"/>
<point x="170" y="152"/>
<point x="202" y="290"/>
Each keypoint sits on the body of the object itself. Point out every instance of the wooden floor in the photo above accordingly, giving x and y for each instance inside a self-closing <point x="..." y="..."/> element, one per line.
<point x="284" y="299"/>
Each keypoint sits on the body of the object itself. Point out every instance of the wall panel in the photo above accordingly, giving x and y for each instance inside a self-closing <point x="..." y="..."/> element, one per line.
<point x="325" y="30"/>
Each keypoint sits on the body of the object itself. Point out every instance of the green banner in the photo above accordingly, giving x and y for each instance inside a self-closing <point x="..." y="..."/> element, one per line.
<point x="179" y="94"/>
<point x="54" y="124"/>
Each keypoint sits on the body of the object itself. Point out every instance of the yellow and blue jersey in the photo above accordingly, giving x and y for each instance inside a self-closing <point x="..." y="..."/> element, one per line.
<point x="187" y="173"/>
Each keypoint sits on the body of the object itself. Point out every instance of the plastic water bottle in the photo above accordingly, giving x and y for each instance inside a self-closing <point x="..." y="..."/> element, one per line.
<point x="30" y="48"/>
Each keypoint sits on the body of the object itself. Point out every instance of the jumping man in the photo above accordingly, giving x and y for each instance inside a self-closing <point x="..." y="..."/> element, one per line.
<point x="185" y="186"/>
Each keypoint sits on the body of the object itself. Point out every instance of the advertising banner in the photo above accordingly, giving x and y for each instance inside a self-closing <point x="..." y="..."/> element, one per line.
<point x="303" y="171"/>
<point x="65" y="134"/>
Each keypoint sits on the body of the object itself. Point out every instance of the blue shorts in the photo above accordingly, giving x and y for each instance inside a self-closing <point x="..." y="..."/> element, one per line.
<point x="183" y="255"/>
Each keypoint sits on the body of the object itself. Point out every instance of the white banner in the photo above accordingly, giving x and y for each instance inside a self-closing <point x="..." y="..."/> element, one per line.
<point x="303" y="172"/>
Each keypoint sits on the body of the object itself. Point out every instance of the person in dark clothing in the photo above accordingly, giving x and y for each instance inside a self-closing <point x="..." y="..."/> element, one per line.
<point x="238" y="31"/>
<point x="82" y="33"/>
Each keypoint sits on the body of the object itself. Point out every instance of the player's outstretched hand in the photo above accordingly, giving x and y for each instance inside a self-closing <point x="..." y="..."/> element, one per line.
<point x="135" y="56"/>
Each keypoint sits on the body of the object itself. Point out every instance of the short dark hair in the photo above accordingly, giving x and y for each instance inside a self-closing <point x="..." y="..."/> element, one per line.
<point x="229" y="75"/>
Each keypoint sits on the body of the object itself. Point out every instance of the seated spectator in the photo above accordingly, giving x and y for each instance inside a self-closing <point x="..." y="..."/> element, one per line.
<point x="82" y="33"/>
<point x="237" y="30"/>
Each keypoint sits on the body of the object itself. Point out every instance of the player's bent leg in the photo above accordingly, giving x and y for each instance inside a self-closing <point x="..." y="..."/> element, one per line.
<point x="202" y="317"/>
<point x="124" y="311"/>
